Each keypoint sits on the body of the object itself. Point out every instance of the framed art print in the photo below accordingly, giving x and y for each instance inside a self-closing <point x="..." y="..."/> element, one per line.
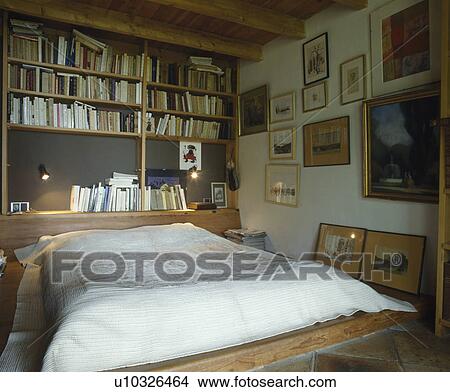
<point x="219" y="194"/>
<point x="401" y="147"/>
<point x="327" y="143"/>
<point x="282" y="184"/>
<point x="190" y="155"/>
<point x="282" y="108"/>
<point x="405" y="45"/>
<point x="315" y="59"/>
<point x="353" y="80"/>
<point x="315" y="97"/>
<point x="254" y="117"/>
<point x="342" y="246"/>
<point x="282" y="144"/>
<point x="394" y="260"/>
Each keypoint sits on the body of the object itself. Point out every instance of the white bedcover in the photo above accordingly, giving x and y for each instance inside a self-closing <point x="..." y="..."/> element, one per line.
<point x="106" y="326"/>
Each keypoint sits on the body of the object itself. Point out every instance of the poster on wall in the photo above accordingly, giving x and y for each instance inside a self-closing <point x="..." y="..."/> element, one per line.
<point x="405" y="45"/>
<point x="190" y="155"/>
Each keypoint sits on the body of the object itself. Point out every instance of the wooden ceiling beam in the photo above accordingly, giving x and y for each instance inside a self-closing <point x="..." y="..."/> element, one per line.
<point x="71" y="12"/>
<point x="355" y="4"/>
<point x="244" y="14"/>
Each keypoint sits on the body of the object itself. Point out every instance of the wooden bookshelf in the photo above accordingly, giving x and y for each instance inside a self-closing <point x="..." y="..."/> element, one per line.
<point x="133" y="46"/>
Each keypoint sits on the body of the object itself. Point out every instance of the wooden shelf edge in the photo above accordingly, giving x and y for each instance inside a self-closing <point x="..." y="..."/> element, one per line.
<point x="446" y="246"/>
<point x="193" y="115"/>
<point x="193" y="139"/>
<point x="175" y="87"/>
<point x="445" y="323"/>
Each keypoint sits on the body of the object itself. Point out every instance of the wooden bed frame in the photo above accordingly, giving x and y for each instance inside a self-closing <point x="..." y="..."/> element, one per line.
<point x="17" y="231"/>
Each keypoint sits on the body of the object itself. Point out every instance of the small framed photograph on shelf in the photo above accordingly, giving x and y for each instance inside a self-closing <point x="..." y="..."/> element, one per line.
<point x="353" y="80"/>
<point x="327" y="143"/>
<point x="254" y="115"/>
<point x="315" y="59"/>
<point x="315" y="97"/>
<point x="394" y="260"/>
<point x="282" y="184"/>
<point x="219" y="194"/>
<point x="282" y="108"/>
<point x="341" y="246"/>
<point x="282" y="144"/>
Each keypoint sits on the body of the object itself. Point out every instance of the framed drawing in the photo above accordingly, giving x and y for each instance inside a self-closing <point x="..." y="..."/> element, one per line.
<point x="342" y="247"/>
<point x="315" y="97"/>
<point x="394" y="260"/>
<point x="219" y="194"/>
<point x="401" y="147"/>
<point x="353" y="80"/>
<point x="327" y="143"/>
<point x="190" y="155"/>
<point x="282" y="184"/>
<point x="282" y="144"/>
<point x="315" y="59"/>
<point x="282" y="108"/>
<point x="405" y="45"/>
<point x="254" y="117"/>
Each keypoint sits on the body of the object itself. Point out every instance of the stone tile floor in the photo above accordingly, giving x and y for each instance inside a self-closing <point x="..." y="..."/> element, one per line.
<point x="411" y="347"/>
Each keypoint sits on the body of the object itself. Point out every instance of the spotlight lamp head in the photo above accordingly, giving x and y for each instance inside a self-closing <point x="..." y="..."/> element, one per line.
<point x="43" y="173"/>
<point x="193" y="171"/>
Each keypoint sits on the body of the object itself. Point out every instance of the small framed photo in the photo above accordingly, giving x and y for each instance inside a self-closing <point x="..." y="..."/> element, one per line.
<point x="315" y="59"/>
<point x="353" y="80"/>
<point x="254" y="114"/>
<point x="327" y="143"/>
<point x="282" y="108"/>
<point x="282" y="184"/>
<point x="394" y="260"/>
<point x="315" y="97"/>
<point x="341" y="246"/>
<point x="282" y="144"/>
<point x="17" y="207"/>
<point x="219" y="194"/>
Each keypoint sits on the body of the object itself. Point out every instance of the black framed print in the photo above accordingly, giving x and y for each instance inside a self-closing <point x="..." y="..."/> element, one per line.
<point x="315" y="59"/>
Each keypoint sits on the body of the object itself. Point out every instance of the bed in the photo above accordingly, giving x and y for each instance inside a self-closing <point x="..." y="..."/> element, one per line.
<point x="79" y="325"/>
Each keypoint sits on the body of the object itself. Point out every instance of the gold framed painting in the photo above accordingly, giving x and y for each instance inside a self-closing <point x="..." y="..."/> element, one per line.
<point x="282" y="144"/>
<point x="394" y="260"/>
<point x="401" y="147"/>
<point x="282" y="108"/>
<point x="253" y="111"/>
<point x="353" y="80"/>
<point x="282" y="184"/>
<point x="315" y="97"/>
<point x="327" y="143"/>
<point x="341" y="247"/>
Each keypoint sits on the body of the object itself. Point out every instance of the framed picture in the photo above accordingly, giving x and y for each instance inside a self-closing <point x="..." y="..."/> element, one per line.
<point x="342" y="246"/>
<point x="394" y="260"/>
<point x="190" y="155"/>
<point x="282" y="184"/>
<point x="254" y="117"/>
<point x="315" y="59"/>
<point x="353" y="80"/>
<point x="404" y="45"/>
<point x="282" y="108"/>
<point x="17" y="207"/>
<point x="282" y="144"/>
<point x="315" y="97"/>
<point x="219" y="194"/>
<point x="327" y="143"/>
<point x="401" y="147"/>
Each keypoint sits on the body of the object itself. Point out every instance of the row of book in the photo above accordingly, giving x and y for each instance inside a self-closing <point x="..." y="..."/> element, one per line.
<point x="187" y="102"/>
<point x="45" y="112"/>
<point x="170" y="125"/>
<point x="45" y="80"/>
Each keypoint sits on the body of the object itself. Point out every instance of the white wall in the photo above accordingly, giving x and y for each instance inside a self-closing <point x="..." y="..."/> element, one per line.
<point x="327" y="194"/>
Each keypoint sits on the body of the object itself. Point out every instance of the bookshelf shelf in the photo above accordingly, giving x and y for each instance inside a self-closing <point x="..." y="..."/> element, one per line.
<point x="70" y="131"/>
<point x="446" y="246"/>
<point x="192" y="139"/>
<point x="174" y="87"/>
<point x="193" y="115"/>
<point x="74" y="70"/>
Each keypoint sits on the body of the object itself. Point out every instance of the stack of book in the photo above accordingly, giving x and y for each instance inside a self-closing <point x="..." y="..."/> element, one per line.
<point x="78" y="115"/>
<point x="168" y="198"/>
<point x="247" y="237"/>
<point x="204" y="64"/>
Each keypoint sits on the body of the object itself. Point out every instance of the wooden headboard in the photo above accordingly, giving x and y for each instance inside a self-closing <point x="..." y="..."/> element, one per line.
<point x="20" y="230"/>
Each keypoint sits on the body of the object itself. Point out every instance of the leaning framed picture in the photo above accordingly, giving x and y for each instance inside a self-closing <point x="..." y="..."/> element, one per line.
<point x="315" y="59"/>
<point x="327" y="143"/>
<point x="405" y="45"/>
<point x="282" y="144"/>
<point x="282" y="184"/>
<point x="401" y="147"/>
<point x="219" y="194"/>
<point x="254" y="116"/>
<point x="282" y="108"/>
<point x="394" y="260"/>
<point x="341" y="246"/>
<point x="315" y="97"/>
<point x="353" y="80"/>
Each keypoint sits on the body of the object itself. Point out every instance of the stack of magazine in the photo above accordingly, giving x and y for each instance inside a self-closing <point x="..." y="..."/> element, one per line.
<point x="247" y="237"/>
